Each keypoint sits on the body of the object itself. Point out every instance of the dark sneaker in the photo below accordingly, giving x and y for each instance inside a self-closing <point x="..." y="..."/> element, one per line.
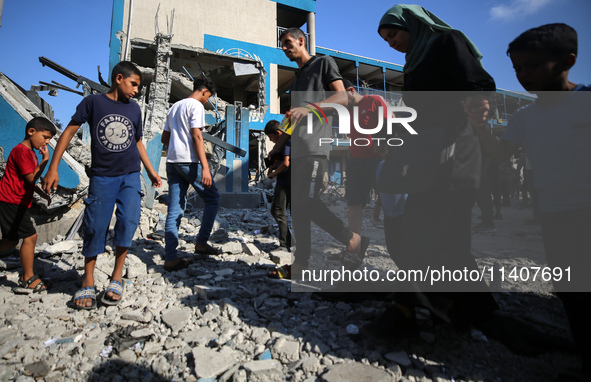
<point x="391" y="325"/>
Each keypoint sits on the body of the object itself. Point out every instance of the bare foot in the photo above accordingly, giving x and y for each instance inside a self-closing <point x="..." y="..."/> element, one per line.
<point x="354" y="244"/>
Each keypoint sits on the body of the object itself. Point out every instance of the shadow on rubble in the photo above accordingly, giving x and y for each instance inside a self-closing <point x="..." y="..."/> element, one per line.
<point x="117" y="370"/>
<point x="294" y="327"/>
<point x="58" y="280"/>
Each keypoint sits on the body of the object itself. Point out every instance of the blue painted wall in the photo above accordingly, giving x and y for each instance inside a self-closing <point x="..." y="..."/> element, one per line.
<point x="268" y="56"/>
<point x="13" y="126"/>
<point x="306" y="5"/>
<point x="116" y="26"/>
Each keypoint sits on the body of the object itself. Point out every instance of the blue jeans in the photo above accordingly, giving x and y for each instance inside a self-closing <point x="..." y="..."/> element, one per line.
<point x="180" y="176"/>
<point x="104" y="193"/>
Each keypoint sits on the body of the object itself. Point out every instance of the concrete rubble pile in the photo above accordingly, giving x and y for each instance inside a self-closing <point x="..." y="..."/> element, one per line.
<point x="220" y="319"/>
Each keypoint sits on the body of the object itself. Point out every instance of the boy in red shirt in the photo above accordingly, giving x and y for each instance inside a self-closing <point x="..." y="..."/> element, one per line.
<point x="16" y="196"/>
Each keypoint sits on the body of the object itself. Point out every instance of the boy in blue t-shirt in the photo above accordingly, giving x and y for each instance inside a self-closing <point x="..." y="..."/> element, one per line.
<point x="555" y="132"/>
<point x="117" y="149"/>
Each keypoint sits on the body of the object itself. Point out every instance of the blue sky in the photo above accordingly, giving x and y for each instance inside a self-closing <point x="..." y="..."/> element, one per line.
<point x="76" y="34"/>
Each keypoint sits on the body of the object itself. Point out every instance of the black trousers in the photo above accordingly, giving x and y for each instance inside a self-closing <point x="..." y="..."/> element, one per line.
<point x="435" y="232"/>
<point x="281" y="201"/>
<point x="309" y="179"/>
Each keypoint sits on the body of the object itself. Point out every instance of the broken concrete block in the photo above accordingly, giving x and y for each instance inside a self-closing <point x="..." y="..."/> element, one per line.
<point x="265" y="262"/>
<point x="250" y="249"/>
<point x="201" y="336"/>
<point x="311" y="364"/>
<point x="135" y="267"/>
<point x="286" y="351"/>
<point x="268" y="370"/>
<point x="175" y="318"/>
<point x="137" y="315"/>
<point x="210" y="363"/>
<point x="247" y="216"/>
<point x="400" y="357"/>
<point x="219" y="235"/>
<point x="141" y="333"/>
<point x="38" y="369"/>
<point x="68" y="246"/>
<point x="224" y="272"/>
<point x="355" y="372"/>
<point x="105" y="263"/>
<point x="136" y="271"/>
<point x="249" y="260"/>
<point x="232" y="247"/>
<point x="211" y="293"/>
<point x="281" y="257"/>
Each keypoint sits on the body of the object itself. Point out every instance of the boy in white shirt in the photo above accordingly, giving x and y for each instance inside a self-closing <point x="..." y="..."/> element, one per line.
<point x="183" y="135"/>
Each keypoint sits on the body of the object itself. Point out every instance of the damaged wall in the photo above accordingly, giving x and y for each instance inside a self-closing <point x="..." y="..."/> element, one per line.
<point x="196" y="18"/>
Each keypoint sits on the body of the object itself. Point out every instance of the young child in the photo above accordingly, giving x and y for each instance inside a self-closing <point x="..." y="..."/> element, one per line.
<point x="186" y="164"/>
<point x="282" y="192"/>
<point x="116" y="148"/>
<point x="554" y="133"/>
<point x="364" y="159"/>
<point x="16" y="196"/>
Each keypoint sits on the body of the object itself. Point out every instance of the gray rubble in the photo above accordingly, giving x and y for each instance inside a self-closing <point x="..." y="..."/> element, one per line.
<point x="222" y="319"/>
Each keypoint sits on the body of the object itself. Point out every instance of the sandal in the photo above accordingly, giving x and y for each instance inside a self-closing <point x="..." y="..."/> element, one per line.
<point x="182" y="264"/>
<point x="209" y="250"/>
<point x="282" y="273"/>
<point x="83" y="293"/>
<point x="352" y="260"/>
<point x="115" y="287"/>
<point x="24" y="286"/>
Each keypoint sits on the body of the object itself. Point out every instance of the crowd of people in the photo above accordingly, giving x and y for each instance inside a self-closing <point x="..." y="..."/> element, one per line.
<point x="427" y="202"/>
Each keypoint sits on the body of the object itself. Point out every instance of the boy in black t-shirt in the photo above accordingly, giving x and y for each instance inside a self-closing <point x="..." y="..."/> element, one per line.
<point x="316" y="78"/>
<point x="116" y="148"/>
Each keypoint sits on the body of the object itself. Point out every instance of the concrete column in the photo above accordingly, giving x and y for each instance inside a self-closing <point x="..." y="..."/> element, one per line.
<point x="244" y="143"/>
<point x="157" y="108"/>
<point x="312" y="33"/>
<point x="231" y="139"/>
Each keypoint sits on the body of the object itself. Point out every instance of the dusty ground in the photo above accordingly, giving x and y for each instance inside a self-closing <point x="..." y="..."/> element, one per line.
<point x="307" y="336"/>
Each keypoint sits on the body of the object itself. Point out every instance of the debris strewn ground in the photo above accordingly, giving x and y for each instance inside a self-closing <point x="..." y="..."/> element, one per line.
<point x="222" y="319"/>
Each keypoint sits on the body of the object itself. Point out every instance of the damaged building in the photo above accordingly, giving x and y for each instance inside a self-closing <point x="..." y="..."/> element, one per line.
<point x="236" y="43"/>
<point x="246" y="62"/>
<point x="173" y="42"/>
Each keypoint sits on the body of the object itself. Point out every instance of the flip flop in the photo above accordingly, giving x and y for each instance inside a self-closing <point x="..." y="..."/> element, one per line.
<point x="182" y="264"/>
<point x="86" y="292"/>
<point x="115" y="287"/>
